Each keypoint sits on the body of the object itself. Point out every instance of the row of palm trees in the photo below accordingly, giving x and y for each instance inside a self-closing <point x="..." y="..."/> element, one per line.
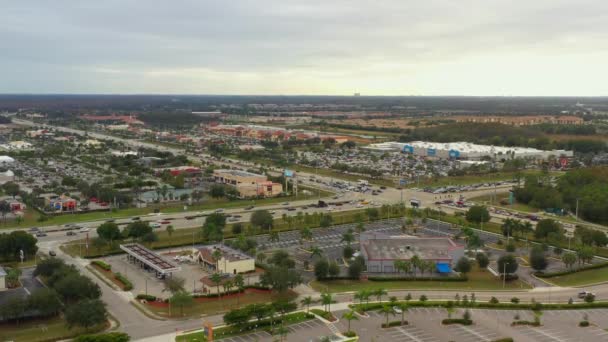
<point x="414" y="265"/>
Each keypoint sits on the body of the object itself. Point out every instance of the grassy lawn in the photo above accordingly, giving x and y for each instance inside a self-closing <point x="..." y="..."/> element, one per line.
<point x="581" y="278"/>
<point x="51" y="329"/>
<point x="487" y="199"/>
<point x="215" y="306"/>
<point x="478" y="280"/>
<point x="31" y="216"/>
<point x="228" y="331"/>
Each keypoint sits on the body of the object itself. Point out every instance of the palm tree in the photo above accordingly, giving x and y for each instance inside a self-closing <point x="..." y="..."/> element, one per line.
<point x="239" y="282"/>
<point x="398" y="265"/>
<point x="316" y="251"/>
<point x="307" y="301"/>
<point x="360" y="227"/>
<point x="217" y="255"/>
<point x="274" y="236"/>
<point x="348" y="237"/>
<point x="216" y="278"/>
<point x="387" y="310"/>
<point x="282" y="332"/>
<point x="404" y="307"/>
<point x="170" y="230"/>
<point x="326" y="299"/>
<point x="415" y="261"/>
<point x="350" y="316"/>
<point x="379" y="293"/>
<point x="305" y="234"/>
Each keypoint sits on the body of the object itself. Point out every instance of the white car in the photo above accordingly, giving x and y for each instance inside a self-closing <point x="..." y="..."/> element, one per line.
<point x="397" y="309"/>
<point x="155" y="225"/>
<point x="84" y="230"/>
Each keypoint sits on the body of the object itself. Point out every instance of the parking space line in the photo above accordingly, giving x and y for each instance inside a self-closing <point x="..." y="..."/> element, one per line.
<point x="473" y="332"/>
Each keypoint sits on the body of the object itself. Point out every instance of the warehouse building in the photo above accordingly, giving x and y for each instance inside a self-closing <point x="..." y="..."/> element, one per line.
<point x="380" y="251"/>
<point x="465" y="150"/>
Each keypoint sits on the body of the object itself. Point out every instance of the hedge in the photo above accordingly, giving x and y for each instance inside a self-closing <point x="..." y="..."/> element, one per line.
<point x="107" y="337"/>
<point x="149" y="298"/>
<point x="102" y="265"/>
<point x="394" y="324"/>
<point x="530" y="323"/>
<point x="457" y="321"/>
<point x="464" y="278"/>
<point x="215" y="295"/>
<point x="562" y="273"/>
<point x="127" y="285"/>
<point x="349" y="334"/>
<point x="484" y="305"/>
<point x="506" y="339"/>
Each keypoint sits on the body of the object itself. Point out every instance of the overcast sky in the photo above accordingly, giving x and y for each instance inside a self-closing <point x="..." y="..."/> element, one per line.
<point x="325" y="47"/>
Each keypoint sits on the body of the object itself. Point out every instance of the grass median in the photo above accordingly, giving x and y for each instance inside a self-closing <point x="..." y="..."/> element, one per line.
<point x="477" y="280"/>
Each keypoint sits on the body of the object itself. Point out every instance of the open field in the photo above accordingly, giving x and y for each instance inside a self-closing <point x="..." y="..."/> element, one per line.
<point x="581" y="278"/>
<point x="478" y="280"/>
<point x="51" y="329"/>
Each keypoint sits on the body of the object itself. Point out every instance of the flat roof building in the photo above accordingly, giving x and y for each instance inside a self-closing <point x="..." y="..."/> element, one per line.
<point x="149" y="260"/>
<point x="230" y="261"/>
<point x="465" y="150"/>
<point x="247" y="183"/>
<point x="380" y="251"/>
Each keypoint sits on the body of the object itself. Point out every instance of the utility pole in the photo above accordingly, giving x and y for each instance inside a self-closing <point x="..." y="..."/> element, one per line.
<point x="577" y="209"/>
<point x="504" y="274"/>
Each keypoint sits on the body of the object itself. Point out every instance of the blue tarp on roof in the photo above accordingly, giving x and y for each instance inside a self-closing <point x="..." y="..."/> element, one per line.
<point x="443" y="268"/>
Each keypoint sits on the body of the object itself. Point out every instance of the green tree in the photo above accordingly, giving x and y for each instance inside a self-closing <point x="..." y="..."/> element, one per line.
<point x="538" y="261"/>
<point x="86" y="313"/>
<point x="307" y="302"/>
<point x="507" y="264"/>
<point x="262" y="219"/>
<point x="478" y="214"/>
<point x="321" y="269"/>
<point x="325" y="221"/>
<point x="217" y="191"/>
<point x="350" y="316"/>
<point x="569" y="259"/>
<point x="174" y="284"/>
<point x="482" y="260"/>
<point x="387" y="311"/>
<point x="326" y="300"/>
<point x="76" y="287"/>
<point x="333" y="270"/>
<point x="170" y="229"/>
<point x="463" y="265"/>
<point x="109" y="231"/>
<point x="45" y="301"/>
<point x="545" y="227"/>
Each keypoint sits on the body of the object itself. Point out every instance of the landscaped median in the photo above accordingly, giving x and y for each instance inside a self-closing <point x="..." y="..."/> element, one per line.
<point x="226" y="331"/>
<point x="592" y="274"/>
<point x="104" y="269"/>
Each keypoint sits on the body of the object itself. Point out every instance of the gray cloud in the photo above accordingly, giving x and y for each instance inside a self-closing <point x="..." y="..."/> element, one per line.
<point x="273" y="46"/>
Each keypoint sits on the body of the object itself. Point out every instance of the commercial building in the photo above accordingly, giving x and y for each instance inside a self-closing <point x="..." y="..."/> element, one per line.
<point x="465" y="150"/>
<point x="522" y="120"/>
<point x="380" y="251"/>
<point x="248" y="184"/>
<point x="230" y="261"/>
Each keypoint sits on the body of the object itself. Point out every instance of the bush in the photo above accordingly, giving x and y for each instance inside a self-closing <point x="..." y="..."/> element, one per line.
<point x="103" y="265"/>
<point x="149" y="298"/>
<point x="589" y="298"/>
<point x="461" y="321"/>
<point x="514" y="300"/>
<point x="506" y="339"/>
<point x="583" y="324"/>
<point x="107" y="337"/>
<point x="423" y="298"/>
<point x="127" y="285"/>
<point x="530" y="323"/>
<point x="349" y="334"/>
<point x="493" y="300"/>
<point x="394" y="324"/>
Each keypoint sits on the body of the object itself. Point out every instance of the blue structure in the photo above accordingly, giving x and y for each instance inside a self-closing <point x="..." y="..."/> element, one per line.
<point x="408" y="149"/>
<point x="431" y="152"/>
<point x="443" y="267"/>
<point x="454" y="154"/>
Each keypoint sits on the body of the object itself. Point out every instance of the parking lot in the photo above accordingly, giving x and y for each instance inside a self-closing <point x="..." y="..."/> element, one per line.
<point x="312" y="330"/>
<point x="489" y="325"/>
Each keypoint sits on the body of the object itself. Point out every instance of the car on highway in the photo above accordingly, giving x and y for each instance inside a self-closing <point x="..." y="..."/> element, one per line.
<point x="220" y="210"/>
<point x="155" y="225"/>
<point x="164" y="222"/>
<point x="41" y="234"/>
<point x="110" y="220"/>
<point x="136" y="218"/>
<point x="84" y="230"/>
<point x="34" y="229"/>
<point x="249" y="207"/>
<point x="285" y="203"/>
<point x="190" y="217"/>
<point x="70" y="233"/>
<point x="584" y="294"/>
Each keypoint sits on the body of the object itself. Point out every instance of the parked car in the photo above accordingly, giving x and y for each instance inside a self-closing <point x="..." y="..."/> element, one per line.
<point x="52" y="253"/>
<point x="397" y="309"/>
